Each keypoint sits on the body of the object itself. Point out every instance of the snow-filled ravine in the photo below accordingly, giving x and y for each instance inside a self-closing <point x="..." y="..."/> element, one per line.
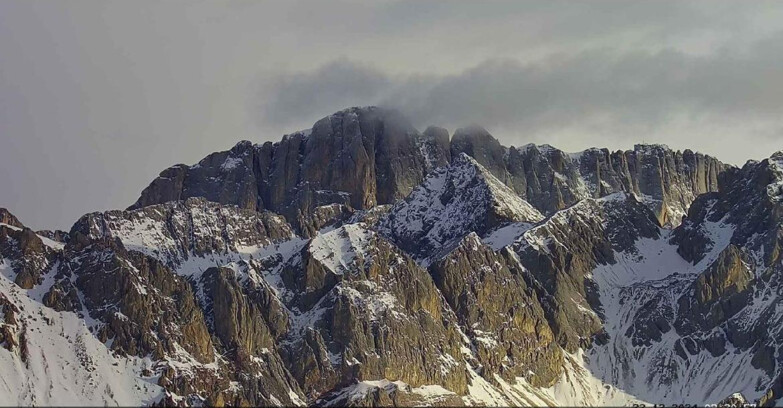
<point x="64" y="363"/>
<point x="654" y="271"/>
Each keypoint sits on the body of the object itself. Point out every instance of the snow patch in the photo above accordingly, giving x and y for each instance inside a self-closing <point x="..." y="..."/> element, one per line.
<point x="231" y="163"/>
<point x="339" y="249"/>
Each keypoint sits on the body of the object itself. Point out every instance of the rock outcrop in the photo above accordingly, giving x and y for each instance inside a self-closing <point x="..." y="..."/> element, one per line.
<point x="452" y="202"/>
<point x="550" y="179"/>
<point x="7" y="218"/>
<point x="718" y="293"/>
<point x="735" y="233"/>
<point x="29" y="255"/>
<point x="563" y="252"/>
<point x="368" y="311"/>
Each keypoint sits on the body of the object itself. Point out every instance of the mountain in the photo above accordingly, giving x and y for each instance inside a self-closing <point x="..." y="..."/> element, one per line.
<point x="357" y="157"/>
<point x="453" y="201"/>
<point x="363" y="157"/>
<point x="362" y="263"/>
<point x="550" y="179"/>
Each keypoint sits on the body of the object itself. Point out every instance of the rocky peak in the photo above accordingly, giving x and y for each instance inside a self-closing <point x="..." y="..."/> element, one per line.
<point x="717" y="294"/>
<point x="478" y="143"/>
<point x="363" y="262"/>
<point x="551" y="179"/>
<point x="562" y="253"/>
<point x="437" y="146"/>
<point x="652" y="148"/>
<point x="364" y="306"/>
<point x="746" y="211"/>
<point x="358" y="157"/>
<point x="775" y="187"/>
<point x="452" y="202"/>
<point x="7" y="218"/>
<point x="31" y="255"/>
<point x="500" y="313"/>
<point x="733" y="237"/>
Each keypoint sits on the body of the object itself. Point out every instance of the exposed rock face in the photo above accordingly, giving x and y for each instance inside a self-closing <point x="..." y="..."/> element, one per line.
<point x="375" y="314"/>
<point x="56" y="235"/>
<point x="358" y="157"/>
<point x="711" y="308"/>
<point x="736" y="232"/>
<point x="436" y="146"/>
<point x="9" y="324"/>
<point x="399" y="268"/>
<point x="324" y="216"/>
<point x="362" y="157"/>
<point x="718" y="293"/>
<point x="29" y="256"/>
<point x="500" y="313"/>
<point x="147" y="308"/>
<point x="238" y="319"/>
<point x="178" y="231"/>
<point x="140" y="276"/>
<point x="551" y="180"/>
<point x="563" y="252"/>
<point x="346" y="305"/>
<point x="745" y="212"/>
<point x="7" y="218"/>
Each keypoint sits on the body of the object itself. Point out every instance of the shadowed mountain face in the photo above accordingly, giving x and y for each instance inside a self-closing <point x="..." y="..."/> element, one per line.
<point x="362" y="263"/>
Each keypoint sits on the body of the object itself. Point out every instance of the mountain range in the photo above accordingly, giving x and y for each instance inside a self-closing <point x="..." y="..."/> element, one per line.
<point x="365" y="263"/>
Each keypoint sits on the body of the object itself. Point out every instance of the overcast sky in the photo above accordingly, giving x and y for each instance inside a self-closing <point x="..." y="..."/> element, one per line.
<point x="97" y="97"/>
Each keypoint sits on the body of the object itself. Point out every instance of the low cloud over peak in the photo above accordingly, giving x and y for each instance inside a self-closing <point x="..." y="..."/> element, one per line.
<point x="602" y="93"/>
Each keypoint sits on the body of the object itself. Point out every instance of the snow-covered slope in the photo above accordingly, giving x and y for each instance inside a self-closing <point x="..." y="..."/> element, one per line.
<point x="645" y="355"/>
<point x="59" y="361"/>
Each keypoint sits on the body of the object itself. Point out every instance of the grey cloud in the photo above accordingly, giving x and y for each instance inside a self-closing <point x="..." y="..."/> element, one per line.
<point x="96" y="97"/>
<point x="332" y="86"/>
<point x="628" y="91"/>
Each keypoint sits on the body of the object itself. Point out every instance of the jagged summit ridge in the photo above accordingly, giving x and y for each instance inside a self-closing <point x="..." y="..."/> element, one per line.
<point x="363" y="157"/>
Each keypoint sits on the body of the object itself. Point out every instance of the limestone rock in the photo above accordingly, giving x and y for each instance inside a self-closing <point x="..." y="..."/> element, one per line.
<point x="371" y="312"/>
<point x="499" y="312"/>
<point x="358" y="157"/>
<point x="7" y="218"/>
<point x="30" y="258"/>
<point x="562" y="252"/>
<point x="551" y="180"/>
